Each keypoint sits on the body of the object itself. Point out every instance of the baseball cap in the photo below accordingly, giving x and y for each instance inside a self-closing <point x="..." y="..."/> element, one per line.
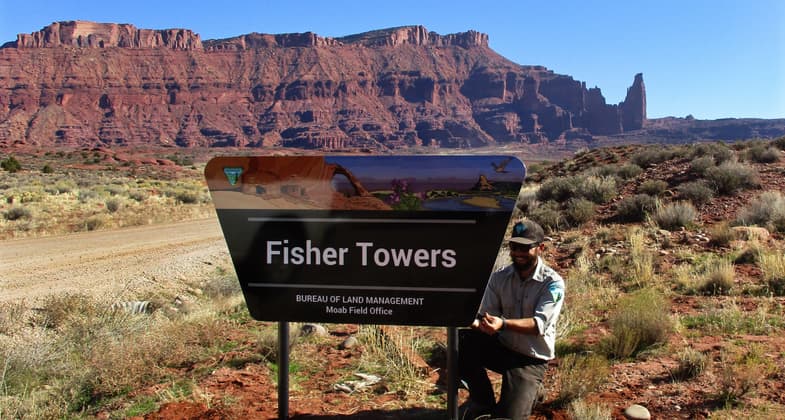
<point x="527" y="233"/>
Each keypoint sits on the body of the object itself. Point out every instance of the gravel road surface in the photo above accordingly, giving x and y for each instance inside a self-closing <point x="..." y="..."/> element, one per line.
<point x="124" y="264"/>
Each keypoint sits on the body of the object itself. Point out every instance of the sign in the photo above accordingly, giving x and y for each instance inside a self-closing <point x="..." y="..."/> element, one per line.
<point x="400" y="240"/>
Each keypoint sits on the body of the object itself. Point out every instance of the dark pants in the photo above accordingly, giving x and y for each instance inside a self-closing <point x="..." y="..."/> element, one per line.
<point x="521" y="375"/>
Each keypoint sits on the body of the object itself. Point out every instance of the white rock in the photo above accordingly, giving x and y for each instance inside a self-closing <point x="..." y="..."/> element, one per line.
<point x="637" y="412"/>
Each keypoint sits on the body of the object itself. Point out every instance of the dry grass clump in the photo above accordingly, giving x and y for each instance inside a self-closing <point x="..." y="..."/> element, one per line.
<point x="692" y="363"/>
<point x="386" y="353"/>
<point x="675" y="215"/>
<point x="580" y="409"/>
<point x="636" y="208"/>
<point x="640" y="321"/>
<point x="773" y="267"/>
<point x="766" y="210"/>
<point x="740" y="373"/>
<point x="653" y="187"/>
<point x="697" y="192"/>
<point x="731" y="177"/>
<point x="580" y="375"/>
<point x="75" y="354"/>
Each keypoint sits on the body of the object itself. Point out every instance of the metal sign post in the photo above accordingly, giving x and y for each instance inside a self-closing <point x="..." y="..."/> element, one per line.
<point x="283" y="370"/>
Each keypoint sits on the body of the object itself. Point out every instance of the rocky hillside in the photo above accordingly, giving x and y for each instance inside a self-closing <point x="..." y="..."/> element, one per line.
<point x="93" y="84"/>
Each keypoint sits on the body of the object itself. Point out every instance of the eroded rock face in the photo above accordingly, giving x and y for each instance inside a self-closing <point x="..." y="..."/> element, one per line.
<point x="92" y="84"/>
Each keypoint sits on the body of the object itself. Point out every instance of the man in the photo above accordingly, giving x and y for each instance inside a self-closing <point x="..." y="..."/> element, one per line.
<point x="515" y="330"/>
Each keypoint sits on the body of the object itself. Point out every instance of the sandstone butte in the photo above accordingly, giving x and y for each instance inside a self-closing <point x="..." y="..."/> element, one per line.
<point x="85" y="84"/>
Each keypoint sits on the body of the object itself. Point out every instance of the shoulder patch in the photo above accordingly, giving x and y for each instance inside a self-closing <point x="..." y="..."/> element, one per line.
<point x="557" y="292"/>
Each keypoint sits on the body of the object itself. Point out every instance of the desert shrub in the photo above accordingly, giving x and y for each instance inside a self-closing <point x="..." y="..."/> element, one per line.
<point x="696" y="192"/>
<point x="86" y="195"/>
<point x="779" y="143"/>
<point x="17" y="213"/>
<point x="691" y="364"/>
<point x="10" y="164"/>
<point x="599" y="190"/>
<point x="640" y="321"/>
<point x="699" y="166"/>
<point x="580" y="409"/>
<point x="773" y="267"/>
<point x="548" y="216"/>
<point x="653" y="187"/>
<point x="675" y="215"/>
<point x="187" y="197"/>
<point x="559" y="189"/>
<point x="767" y="210"/>
<point x="717" y="278"/>
<point x="47" y="169"/>
<point x="138" y="195"/>
<point x="763" y="154"/>
<point x="635" y="208"/>
<point x="629" y="171"/>
<point x="722" y="234"/>
<point x="579" y="211"/>
<point x="580" y="375"/>
<point x="740" y="374"/>
<point x="730" y="177"/>
<point x="718" y="152"/>
<point x="94" y="222"/>
<point x="527" y="200"/>
<point x="652" y="156"/>
<point x="11" y="316"/>
<point x="63" y="187"/>
<point x="114" y="190"/>
<point x="112" y="205"/>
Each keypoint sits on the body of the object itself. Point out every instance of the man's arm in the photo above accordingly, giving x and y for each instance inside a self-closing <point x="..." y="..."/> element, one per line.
<point x="490" y="324"/>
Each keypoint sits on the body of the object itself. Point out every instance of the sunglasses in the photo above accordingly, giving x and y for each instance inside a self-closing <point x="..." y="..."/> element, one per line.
<point x="521" y="247"/>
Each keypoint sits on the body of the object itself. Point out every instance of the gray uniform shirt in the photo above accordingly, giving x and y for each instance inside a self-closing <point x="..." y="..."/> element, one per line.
<point x="540" y="296"/>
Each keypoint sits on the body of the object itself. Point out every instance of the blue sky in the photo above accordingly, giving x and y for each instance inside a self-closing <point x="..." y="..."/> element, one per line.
<point x="709" y="58"/>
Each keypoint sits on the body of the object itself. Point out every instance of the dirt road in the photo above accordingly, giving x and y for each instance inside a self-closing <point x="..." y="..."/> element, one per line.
<point x="124" y="264"/>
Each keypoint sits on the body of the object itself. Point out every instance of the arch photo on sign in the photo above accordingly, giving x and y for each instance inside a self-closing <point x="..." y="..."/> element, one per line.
<point x="391" y="240"/>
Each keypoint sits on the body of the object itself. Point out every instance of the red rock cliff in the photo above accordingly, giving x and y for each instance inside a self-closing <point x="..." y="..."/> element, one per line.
<point x="87" y="84"/>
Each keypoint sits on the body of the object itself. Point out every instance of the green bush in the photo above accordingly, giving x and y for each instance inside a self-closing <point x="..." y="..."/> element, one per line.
<point x="47" y="169"/>
<point x="10" y="164"/>
<point x="138" y="195"/>
<point x="598" y="190"/>
<point x="718" y="152"/>
<point x="675" y="215"/>
<point x="187" y="197"/>
<point x="559" y="189"/>
<point x="730" y="177"/>
<point x="767" y="210"/>
<point x="579" y="211"/>
<point x="548" y="216"/>
<point x="697" y="192"/>
<point x="763" y="154"/>
<point x="635" y="208"/>
<point x="112" y="205"/>
<point x="699" y="166"/>
<point x="17" y="213"/>
<point x="773" y="267"/>
<point x="652" y="156"/>
<point x="629" y="171"/>
<point x="640" y="321"/>
<point x="653" y="187"/>
<point x="779" y="143"/>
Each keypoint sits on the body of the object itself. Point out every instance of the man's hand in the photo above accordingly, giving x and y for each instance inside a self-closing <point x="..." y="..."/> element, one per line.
<point x="488" y="323"/>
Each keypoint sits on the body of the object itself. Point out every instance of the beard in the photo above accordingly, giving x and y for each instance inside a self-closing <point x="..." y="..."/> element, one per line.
<point x="524" y="265"/>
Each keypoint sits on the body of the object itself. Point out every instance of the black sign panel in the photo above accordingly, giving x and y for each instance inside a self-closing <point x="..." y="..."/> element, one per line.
<point x="405" y="240"/>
